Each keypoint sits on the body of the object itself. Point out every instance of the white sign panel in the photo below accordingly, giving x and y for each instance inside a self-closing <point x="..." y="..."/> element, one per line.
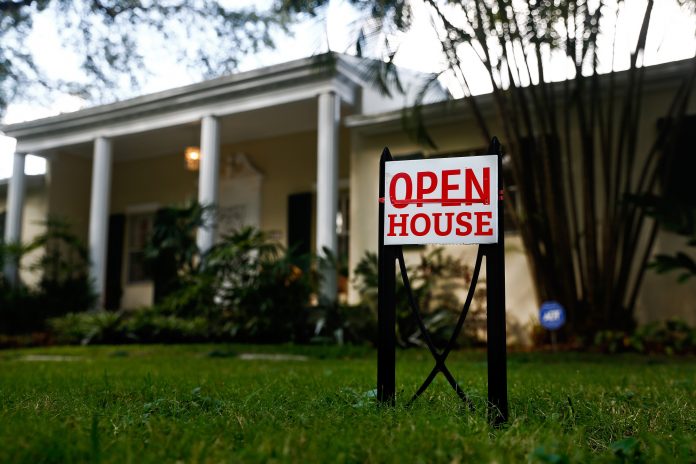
<point x="441" y="201"/>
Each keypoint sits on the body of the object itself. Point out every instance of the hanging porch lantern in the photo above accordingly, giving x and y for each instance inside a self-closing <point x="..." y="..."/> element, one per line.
<point x="193" y="158"/>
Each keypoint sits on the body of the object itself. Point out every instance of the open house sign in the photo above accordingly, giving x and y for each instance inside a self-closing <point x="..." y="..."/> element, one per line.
<point x="441" y="201"/>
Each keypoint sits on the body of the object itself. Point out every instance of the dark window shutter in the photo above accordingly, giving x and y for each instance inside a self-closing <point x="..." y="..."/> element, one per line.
<point x="163" y="269"/>
<point x="300" y="226"/>
<point x="114" y="261"/>
<point x="2" y="226"/>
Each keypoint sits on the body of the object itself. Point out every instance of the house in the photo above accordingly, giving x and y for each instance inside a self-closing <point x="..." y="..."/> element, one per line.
<point x="292" y="149"/>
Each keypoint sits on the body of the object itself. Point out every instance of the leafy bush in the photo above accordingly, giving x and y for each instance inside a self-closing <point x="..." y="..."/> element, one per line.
<point x="20" y="310"/>
<point x="143" y="326"/>
<point x="64" y="285"/>
<point x="337" y="323"/>
<point x="259" y="289"/>
<point x="437" y="281"/>
<point x="248" y="288"/>
<point x="670" y="337"/>
<point x="150" y="326"/>
<point x="86" y="328"/>
<point x="171" y="252"/>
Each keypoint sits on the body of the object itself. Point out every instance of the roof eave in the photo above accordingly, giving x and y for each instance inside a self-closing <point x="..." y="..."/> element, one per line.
<point x="276" y="76"/>
<point x="656" y="77"/>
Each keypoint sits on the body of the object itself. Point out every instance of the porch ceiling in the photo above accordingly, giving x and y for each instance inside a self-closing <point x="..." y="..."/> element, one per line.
<point x="288" y="118"/>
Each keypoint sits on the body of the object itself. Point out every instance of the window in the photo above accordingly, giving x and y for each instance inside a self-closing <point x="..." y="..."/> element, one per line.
<point x="139" y="230"/>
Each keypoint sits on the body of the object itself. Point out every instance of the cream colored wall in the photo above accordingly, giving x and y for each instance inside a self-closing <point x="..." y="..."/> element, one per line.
<point x="33" y="219"/>
<point x="660" y="297"/>
<point x="161" y="181"/>
<point x="137" y="294"/>
<point x="289" y="165"/>
<point x="69" y="181"/>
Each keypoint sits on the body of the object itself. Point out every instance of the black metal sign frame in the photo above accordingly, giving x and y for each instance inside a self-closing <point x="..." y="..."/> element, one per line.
<point x="389" y="255"/>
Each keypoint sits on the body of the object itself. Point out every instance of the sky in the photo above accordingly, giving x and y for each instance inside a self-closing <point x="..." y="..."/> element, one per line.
<point x="672" y="37"/>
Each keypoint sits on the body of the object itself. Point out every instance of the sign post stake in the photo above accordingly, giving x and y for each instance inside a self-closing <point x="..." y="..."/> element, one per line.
<point x="386" y="305"/>
<point x="495" y="308"/>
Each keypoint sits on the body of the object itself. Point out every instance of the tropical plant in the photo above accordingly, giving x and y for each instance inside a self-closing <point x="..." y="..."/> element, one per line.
<point x="64" y="268"/>
<point x="247" y="285"/>
<point x="668" y="337"/>
<point x="171" y="251"/>
<point x="438" y="282"/>
<point x="678" y="216"/>
<point x="262" y="292"/>
<point x="64" y="285"/>
<point x="576" y="148"/>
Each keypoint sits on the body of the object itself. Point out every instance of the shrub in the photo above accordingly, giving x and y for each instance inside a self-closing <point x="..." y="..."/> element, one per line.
<point x="336" y="323"/>
<point x="264" y="297"/>
<point x="87" y="328"/>
<point x="64" y="285"/>
<point x="171" y="252"/>
<point x="669" y="337"/>
<point x="143" y="326"/>
<point x="150" y="326"/>
<point x="249" y="287"/>
<point x="437" y="282"/>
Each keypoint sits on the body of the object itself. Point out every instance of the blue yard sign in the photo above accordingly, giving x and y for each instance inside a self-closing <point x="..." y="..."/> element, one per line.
<point x="552" y="315"/>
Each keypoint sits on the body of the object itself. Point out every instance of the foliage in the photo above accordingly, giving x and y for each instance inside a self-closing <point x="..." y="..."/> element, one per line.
<point x="246" y="285"/>
<point x="112" y="41"/>
<point x="146" y="325"/>
<point x="334" y="323"/>
<point x="248" y="289"/>
<point x="64" y="284"/>
<point x="573" y="146"/>
<point x="670" y="337"/>
<point x="20" y="311"/>
<point x="259" y="288"/>
<point x="171" y="251"/>
<point x="63" y="267"/>
<point x="86" y="328"/>
<point x="678" y="216"/>
<point x="203" y="403"/>
<point x="438" y="282"/>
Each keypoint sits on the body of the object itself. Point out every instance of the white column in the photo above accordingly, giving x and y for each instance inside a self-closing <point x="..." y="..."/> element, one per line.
<point x="327" y="184"/>
<point x="208" y="174"/>
<point x="13" y="220"/>
<point x="99" y="214"/>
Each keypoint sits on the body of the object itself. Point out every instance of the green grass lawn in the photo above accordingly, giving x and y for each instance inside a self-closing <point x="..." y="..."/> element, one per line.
<point x="210" y="404"/>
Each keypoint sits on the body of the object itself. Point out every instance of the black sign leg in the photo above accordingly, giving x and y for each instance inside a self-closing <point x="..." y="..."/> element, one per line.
<point x="495" y="290"/>
<point x="386" y="305"/>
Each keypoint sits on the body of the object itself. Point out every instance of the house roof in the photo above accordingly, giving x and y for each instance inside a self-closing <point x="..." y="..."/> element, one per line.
<point x="235" y="93"/>
<point x="657" y="77"/>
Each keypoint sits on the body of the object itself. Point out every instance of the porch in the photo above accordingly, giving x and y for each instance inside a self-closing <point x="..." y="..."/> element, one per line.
<point x="271" y="155"/>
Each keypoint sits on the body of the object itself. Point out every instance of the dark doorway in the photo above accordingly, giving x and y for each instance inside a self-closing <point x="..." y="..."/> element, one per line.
<point x="300" y="227"/>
